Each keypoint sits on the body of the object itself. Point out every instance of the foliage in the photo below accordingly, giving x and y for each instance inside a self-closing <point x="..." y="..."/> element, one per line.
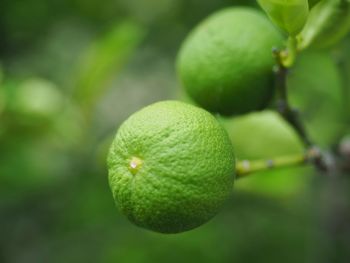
<point x="105" y="60"/>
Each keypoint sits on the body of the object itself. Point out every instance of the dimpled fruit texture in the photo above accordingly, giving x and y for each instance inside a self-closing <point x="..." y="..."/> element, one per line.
<point x="226" y="63"/>
<point x="171" y="167"/>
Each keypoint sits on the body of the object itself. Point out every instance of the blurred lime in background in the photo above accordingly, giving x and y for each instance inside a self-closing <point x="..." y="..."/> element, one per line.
<point x="265" y="135"/>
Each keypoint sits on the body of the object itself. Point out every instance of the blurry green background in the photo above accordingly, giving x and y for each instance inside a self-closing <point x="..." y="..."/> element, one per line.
<point x="71" y="71"/>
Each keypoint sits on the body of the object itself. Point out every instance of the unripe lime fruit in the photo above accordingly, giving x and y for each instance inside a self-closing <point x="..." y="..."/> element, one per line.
<point x="171" y="167"/>
<point x="226" y="63"/>
<point x="261" y="136"/>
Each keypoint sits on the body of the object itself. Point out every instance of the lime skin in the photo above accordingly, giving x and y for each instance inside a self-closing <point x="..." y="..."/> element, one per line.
<point x="171" y="167"/>
<point x="226" y="62"/>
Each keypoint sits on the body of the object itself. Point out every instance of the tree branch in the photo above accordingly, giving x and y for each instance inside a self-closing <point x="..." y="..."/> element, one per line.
<point x="245" y="167"/>
<point x="290" y="114"/>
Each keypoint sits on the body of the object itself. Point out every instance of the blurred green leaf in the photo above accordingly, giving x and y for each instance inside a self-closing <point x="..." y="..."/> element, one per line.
<point x="312" y="3"/>
<point x="319" y="99"/>
<point x="327" y="24"/>
<point x="103" y="59"/>
<point x="290" y="15"/>
<point x="38" y="97"/>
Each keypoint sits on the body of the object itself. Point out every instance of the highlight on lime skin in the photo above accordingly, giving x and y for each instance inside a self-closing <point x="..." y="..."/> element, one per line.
<point x="135" y="165"/>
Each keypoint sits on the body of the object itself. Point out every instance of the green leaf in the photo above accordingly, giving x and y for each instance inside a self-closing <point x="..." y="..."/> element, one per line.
<point x="313" y="2"/>
<point x="289" y="15"/>
<point x="328" y="23"/>
<point x="103" y="59"/>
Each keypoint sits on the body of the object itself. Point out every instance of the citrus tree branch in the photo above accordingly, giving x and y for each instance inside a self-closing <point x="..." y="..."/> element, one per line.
<point x="246" y="167"/>
<point x="290" y="114"/>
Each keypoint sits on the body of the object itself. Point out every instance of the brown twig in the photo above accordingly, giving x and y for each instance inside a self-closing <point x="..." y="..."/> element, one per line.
<point x="290" y="114"/>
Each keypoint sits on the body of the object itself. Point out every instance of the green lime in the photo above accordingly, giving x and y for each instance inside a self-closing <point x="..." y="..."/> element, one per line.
<point x="262" y="136"/>
<point x="171" y="167"/>
<point x="226" y="63"/>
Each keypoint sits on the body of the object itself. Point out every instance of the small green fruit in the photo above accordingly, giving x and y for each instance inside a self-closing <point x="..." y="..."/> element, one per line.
<point x="171" y="167"/>
<point x="261" y="136"/>
<point x="226" y="63"/>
